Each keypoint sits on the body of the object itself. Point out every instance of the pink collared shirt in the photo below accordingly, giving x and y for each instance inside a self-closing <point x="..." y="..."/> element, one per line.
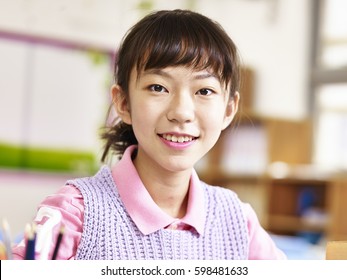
<point x="66" y="208"/>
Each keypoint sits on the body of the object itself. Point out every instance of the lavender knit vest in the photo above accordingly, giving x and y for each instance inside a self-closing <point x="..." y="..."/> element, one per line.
<point x="110" y="233"/>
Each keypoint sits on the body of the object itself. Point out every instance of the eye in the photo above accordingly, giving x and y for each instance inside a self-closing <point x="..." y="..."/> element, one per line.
<point x="157" y="88"/>
<point x="205" y="92"/>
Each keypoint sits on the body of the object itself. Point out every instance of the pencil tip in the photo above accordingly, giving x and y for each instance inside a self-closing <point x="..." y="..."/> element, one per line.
<point x="33" y="227"/>
<point x="29" y="231"/>
<point x="62" y="229"/>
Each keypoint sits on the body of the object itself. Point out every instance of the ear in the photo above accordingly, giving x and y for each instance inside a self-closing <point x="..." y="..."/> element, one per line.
<point x="231" y="110"/>
<point x="121" y="103"/>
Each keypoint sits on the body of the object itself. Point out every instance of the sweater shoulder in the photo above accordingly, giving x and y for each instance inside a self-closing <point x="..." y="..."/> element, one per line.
<point x="218" y="191"/>
<point x="223" y="199"/>
<point x="97" y="182"/>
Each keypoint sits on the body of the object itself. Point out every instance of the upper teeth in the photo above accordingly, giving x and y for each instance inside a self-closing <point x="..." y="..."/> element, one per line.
<point x="179" y="139"/>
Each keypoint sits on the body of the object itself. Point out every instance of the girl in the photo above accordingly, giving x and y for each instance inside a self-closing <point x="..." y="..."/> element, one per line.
<point x="177" y="76"/>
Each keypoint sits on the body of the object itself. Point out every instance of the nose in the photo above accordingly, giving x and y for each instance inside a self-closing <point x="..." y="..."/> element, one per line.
<point x="181" y="108"/>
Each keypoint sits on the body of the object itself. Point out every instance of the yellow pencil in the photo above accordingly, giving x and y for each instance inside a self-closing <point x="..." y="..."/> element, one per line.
<point x="3" y="255"/>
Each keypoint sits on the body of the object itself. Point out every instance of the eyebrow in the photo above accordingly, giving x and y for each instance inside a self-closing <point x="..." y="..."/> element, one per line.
<point x="199" y="76"/>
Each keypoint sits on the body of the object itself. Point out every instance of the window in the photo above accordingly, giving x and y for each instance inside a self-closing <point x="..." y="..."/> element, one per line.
<point x="329" y="83"/>
<point x="333" y="34"/>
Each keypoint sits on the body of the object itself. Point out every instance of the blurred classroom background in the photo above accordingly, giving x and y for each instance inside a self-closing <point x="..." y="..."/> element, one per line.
<point x="286" y="152"/>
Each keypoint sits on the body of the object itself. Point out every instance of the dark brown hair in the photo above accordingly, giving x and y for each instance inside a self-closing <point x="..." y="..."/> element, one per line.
<point x="170" y="38"/>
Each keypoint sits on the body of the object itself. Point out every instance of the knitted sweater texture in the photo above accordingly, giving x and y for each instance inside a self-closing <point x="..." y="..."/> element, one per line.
<point x="110" y="233"/>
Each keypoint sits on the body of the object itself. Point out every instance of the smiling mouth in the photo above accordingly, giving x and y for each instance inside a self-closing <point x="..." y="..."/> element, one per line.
<point x="178" y="138"/>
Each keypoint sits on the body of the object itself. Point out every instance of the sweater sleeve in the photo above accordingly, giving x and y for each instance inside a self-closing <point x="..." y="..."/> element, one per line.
<point x="261" y="247"/>
<point x="63" y="209"/>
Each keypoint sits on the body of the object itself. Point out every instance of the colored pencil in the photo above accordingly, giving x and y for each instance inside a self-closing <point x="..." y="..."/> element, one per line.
<point x="3" y="255"/>
<point x="7" y="239"/>
<point x="57" y="244"/>
<point x="30" y="232"/>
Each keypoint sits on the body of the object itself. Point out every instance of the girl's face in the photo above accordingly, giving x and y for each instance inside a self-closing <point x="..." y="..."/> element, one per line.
<point x="177" y="114"/>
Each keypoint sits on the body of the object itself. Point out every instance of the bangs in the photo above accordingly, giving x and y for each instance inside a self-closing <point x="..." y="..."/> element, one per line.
<point x="187" y="41"/>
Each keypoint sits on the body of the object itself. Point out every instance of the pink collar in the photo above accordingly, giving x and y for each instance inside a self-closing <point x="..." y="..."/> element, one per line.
<point x="146" y="214"/>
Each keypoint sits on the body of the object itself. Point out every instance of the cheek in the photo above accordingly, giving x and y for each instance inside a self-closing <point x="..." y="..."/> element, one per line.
<point x="213" y="117"/>
<point x="212" y="127"/>
<point x="213" y="124"/>
<point x="143" y="118"/>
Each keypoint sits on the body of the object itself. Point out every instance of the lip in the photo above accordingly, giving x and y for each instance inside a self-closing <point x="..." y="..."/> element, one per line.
<point x="177" y="145"/>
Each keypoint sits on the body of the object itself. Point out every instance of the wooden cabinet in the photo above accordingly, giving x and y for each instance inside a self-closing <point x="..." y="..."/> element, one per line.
<point x="337" y="205"/>
<point x="255" y="142"/>
<point x="325" y="201"/>
<point x="297" y="205"/>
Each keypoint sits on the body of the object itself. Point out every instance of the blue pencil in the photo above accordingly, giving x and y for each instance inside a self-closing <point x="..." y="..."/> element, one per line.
<point x="31" y="240"/>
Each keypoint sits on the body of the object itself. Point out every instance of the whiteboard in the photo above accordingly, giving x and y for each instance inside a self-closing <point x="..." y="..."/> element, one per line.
<point x="52" y="96"/>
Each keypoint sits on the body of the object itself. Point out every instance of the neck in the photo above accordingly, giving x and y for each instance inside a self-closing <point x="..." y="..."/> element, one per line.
<point x="169" y="190"/>
<point x="170" y="195"/>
